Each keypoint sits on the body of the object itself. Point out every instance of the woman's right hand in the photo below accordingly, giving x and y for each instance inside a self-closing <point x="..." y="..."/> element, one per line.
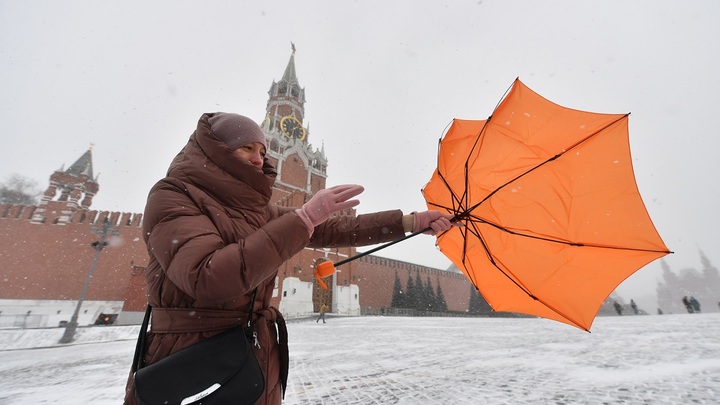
<point x="326" y="202"/>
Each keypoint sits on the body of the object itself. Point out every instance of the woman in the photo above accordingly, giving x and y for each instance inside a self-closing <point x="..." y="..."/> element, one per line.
<point x="215" y="241"/>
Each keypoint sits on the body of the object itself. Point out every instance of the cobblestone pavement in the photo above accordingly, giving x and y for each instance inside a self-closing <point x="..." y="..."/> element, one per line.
<point x="669" y="359"/>
<point x="672" y="359"/>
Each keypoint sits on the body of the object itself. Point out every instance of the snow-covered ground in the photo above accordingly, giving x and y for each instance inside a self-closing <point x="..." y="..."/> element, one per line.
<point x="668" y="359"/>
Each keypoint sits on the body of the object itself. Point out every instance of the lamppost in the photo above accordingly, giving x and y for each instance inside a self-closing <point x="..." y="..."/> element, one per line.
<point x="104" y="231"/>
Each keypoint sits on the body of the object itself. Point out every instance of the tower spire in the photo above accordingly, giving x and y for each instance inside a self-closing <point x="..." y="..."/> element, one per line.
<point x="301" y="171"/>
<point x="83" y="165"/>
<point x="290" y="77"/>
<point x="287" y="98"/>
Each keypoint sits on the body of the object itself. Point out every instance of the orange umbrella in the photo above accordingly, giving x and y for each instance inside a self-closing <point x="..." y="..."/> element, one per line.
<point x="553" y="219"/>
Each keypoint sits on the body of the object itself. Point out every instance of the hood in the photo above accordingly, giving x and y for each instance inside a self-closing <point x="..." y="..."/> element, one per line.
<point x="209" y="164"/>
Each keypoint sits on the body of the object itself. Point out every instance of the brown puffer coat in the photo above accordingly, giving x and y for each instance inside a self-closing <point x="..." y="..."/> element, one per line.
<point x="213" y="238"/>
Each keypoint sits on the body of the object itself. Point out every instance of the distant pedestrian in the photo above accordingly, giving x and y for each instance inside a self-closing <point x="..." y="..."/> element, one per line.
<point x="660" y="312"/>
<point x="687" y="304"/>
<point x="618" y="307"/>
<point x="695" y="304"/>
<point x="634" y="306"/>
<point x="323" y="309"/>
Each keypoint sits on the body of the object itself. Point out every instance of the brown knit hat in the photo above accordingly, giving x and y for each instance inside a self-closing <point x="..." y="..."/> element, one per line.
<point x="236" y="130"/>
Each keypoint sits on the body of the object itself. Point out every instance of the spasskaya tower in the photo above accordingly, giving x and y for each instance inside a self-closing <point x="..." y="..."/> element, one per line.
<point x="302" y="170"/>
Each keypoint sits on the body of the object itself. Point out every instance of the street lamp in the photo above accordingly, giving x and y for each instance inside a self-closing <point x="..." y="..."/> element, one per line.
<point x="104" y="231"/>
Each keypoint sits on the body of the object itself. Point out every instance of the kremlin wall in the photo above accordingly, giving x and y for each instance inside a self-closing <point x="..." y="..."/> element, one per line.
<point x="60" y="251"/>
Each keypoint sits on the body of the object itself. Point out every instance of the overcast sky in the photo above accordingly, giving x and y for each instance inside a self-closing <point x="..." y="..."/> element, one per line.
<point x="383" y="79"/>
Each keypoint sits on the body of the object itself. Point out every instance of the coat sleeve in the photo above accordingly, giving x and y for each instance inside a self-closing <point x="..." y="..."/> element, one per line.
<point x="190" y="249"/>
<point x="365" y="229"/>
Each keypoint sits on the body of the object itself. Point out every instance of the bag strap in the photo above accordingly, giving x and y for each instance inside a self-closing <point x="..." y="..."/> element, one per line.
<point x="248" y="330"/>
<point x="252" y="309"/>
<point x="138" y="358"/>
<point x="140" y="345"/>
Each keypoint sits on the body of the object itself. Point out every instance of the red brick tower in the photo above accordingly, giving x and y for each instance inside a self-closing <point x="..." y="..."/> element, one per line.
<point x="77" y="187"/>
<point x="302" y="170"/>
<point x="47" y="253"/>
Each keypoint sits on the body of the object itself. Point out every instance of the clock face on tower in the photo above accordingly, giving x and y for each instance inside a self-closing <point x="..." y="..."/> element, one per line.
<point x="292" y="128"/>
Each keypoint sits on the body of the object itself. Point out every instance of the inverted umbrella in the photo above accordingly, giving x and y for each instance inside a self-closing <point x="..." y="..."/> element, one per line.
<point x="553" y="219"/>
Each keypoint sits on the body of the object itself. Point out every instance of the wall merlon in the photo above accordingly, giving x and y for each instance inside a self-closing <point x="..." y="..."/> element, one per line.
<point x="16" y="211"/>
<point x="25" y="213"/>
<point x="125" y="219"/>
<point x="114" y="217"/>
<point x="137" y="220"/>
<point x="117" y="218"/>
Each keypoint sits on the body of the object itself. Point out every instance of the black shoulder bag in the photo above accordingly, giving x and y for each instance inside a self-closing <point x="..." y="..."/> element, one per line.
<point x="219" y="370"/>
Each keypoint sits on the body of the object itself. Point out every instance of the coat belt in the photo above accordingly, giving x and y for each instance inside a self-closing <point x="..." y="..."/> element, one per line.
<point x="184" y="320"/>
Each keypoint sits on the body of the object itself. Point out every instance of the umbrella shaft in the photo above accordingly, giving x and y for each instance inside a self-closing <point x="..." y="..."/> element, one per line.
<point x="349" y="259"/>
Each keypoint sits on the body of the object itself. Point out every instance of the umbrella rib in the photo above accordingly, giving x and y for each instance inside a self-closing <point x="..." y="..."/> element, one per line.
<point x="590" y="136"/>
<point x="489" y="255"/>
<point x="465" y="195"/>
<point x="466" y="229"/>
<point x="455" y="200"/>
<point x="555" y="157"/>
<point x="565" y="242"/>
<point x="521" y="287"/>
<point x="471" y="227"/>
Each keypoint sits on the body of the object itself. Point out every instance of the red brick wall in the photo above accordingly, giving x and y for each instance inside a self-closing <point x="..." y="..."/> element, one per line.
<point x="376" y="278"/>
<point x="52" y="261"/>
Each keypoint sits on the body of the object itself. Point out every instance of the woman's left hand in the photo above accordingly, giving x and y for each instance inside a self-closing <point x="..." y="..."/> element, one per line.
<point x="435" y="220"/>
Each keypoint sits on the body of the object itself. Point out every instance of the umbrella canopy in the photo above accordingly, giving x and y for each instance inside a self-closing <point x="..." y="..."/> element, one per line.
<point x="553" y="219"/>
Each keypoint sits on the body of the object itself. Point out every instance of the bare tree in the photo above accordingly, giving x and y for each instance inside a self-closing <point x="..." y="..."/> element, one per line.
<point x="19" y="190"/>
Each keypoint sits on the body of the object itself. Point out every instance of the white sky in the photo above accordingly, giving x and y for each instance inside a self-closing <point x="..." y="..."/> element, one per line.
<point x="383" y="80"/>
